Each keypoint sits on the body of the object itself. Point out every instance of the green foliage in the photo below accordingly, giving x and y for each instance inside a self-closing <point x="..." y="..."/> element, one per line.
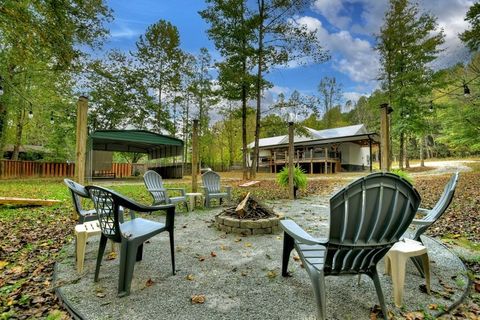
<point x="471" y="37"/>
<point x="299" y="177"/>
<point x="403" y="174"/>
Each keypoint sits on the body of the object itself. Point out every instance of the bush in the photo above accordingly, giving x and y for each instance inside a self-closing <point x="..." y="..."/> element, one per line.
<point x="403" y="174"/>
<point x="299" y="178"/>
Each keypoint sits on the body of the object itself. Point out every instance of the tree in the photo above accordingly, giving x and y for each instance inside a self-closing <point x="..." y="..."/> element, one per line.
<point x="279" y="40"/>
<point x="161" y="57"/>
<point x="471" y="37"/>
<point x="230" y="29"/>
<point x="330" y="94"/>
<point x="118" y="96"/>
<point x="407" y="43"/>
<point x="44" y="37"/>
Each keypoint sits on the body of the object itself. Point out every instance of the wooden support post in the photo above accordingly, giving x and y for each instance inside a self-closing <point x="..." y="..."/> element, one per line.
<point x="81" y="139"/>
<point x="385" y="136"/>
<point x="194" y="155"/>
<point x="370" y="150"/>
<point x="275" y="162"/>
<point x="291" y="194"/>
<point x="326" y="156"/>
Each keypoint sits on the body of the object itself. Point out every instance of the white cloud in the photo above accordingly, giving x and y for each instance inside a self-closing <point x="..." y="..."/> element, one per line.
<point x="354" y="96"/>
<point x="352" y="56"/>
<point x="332" y="11"/>
<point x="124" y="32"/>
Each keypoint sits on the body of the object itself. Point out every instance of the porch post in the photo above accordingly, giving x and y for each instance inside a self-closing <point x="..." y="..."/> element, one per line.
<point x="370" y="147"/>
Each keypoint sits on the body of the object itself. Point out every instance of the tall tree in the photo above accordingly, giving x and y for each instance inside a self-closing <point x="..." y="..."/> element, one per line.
<point x="407" y="43"/>
<point x="330" y="93"/>
<point x="230" y="29"/>
<point x="161" y="57"/>
<point x="471" y="36"/>
<point x="47" y="34"/>
<point x="279" y="40"/>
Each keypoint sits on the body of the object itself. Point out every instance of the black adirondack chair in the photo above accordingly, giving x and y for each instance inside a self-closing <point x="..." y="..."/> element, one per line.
<point x="366" y="218"/>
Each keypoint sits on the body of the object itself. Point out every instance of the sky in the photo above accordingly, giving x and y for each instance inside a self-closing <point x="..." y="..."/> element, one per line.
<point x="346" y="28"/>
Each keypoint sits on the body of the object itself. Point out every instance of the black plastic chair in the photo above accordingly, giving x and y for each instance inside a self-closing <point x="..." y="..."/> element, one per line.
<point x="366" y="219"/>
<point x="130" y="234"/>
<point x="78" y="192"/>
<point x="430" y="216"/>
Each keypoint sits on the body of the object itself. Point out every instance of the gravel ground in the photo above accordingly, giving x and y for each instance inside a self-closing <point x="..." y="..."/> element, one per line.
<point x="240" y="276"/>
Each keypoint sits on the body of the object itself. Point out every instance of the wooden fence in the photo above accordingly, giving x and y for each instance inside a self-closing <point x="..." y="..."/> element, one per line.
<point x="24" y="169"/>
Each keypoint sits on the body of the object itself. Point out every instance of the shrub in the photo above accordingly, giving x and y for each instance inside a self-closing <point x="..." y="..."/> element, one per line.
<point x="299" y="178"/>
<point x="403" y="174"/>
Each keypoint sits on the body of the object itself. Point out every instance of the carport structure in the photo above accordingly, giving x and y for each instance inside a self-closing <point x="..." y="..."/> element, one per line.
<point x="102" y="143"/>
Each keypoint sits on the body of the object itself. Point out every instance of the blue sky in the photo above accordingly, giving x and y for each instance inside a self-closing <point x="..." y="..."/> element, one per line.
<point x="346" y="28"/>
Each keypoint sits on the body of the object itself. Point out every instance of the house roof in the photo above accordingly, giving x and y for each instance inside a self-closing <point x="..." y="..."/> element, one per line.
<point x="142" y="141"/>
<point x="341" y="134"/>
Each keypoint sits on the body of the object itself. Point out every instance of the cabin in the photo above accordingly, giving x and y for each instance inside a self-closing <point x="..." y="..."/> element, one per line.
<point x="350" y="148"/>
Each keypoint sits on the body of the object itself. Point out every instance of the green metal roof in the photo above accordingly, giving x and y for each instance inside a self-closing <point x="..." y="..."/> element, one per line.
<point x="142" y="141"/>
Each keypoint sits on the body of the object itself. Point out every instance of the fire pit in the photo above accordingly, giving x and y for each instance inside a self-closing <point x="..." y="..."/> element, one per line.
<point x="248" y="217"/>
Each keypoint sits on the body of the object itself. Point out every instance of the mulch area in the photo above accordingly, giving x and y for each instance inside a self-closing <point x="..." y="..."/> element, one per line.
<point x="32" y="242"/>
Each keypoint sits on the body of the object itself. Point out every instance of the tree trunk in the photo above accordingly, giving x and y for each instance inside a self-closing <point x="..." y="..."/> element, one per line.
<point x="3" y="127"/>
<point x="422" y="162"/>
<point x="401" y="151"/>
<point x="253" y="169"/>
<point x="244" y="104"/>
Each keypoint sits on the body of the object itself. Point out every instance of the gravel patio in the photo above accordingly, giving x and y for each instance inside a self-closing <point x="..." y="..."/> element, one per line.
<point x="239" y="277"/>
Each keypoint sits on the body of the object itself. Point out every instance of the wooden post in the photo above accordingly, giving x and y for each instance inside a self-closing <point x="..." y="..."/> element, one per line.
<point x="326" y="157"/>
<point x="370" y="150"/>
<point x="81" y="139"/>
<point x="291" y="194"/>
<point x="385" y="136"/>
<point x="194" y="155"/>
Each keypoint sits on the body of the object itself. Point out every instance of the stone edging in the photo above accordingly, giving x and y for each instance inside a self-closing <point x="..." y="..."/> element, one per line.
<point x="248" y="226"/>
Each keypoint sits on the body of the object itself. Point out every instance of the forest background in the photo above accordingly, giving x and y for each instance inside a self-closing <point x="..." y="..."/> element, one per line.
<point x="47" y="60"/>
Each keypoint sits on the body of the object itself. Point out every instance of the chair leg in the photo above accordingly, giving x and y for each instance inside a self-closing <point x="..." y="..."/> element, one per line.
<point x="378" y="288"/>
<point x="318" y="283"/>
<point x="172" y="251"/>
<point x="131" y="251"/>
<point x="81" y="243"/>
<point x="101" y="251"/>
<point x="123" y="264"/>
<point x="417" y="261"/>
<point x="288" y="243"/>
<point x="139" y="252"/>
<point x="426" y="267"/>
<point x="207" y="202"/>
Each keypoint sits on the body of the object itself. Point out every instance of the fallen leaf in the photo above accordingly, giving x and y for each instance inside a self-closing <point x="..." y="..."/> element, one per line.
<point x="201" y="258"/>
<point x="100" y="294"/>
<point x="271" y="274"/>
<point x="149" y="282"/>
<point x="433" y="306"/>
<point x="197" y="299"/>
<point x="3" y="264"/>
<point x="296" y="258"/>
<point x="243" y="274"/>
<point x="248" y="244"/>
<point x="238" y="239"/>
<point x="477" y="286"/>
<point x="416" y="315"/>
<point x="111" y="255"/>
<point x="190" y="277"/>
<point x="213" y="254"/>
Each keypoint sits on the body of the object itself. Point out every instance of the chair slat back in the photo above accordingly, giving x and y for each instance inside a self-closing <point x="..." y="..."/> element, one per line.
<point x="366" y="218"/>
<point x="440" y="207"/>
<point x="211" y="181"/>
<point x="108" y="211"/>
<point x="153" y="181"/>
<point x="77" y="191"/>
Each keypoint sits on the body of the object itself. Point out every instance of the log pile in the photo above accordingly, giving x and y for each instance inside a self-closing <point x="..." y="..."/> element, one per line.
<point x="249" y="208"/>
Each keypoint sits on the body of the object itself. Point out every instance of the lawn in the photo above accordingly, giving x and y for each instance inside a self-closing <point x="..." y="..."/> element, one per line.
<point x="32" y="238"/>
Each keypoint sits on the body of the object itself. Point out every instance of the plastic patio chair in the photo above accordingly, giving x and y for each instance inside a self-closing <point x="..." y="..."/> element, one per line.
<point x="154" y="183"/>
<point x="78" y="192"/>
<point x="212" y="188"/>
<point x="432" y="215"/>
<point x="366" y="219"/>
<point x="130" y="234"/>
